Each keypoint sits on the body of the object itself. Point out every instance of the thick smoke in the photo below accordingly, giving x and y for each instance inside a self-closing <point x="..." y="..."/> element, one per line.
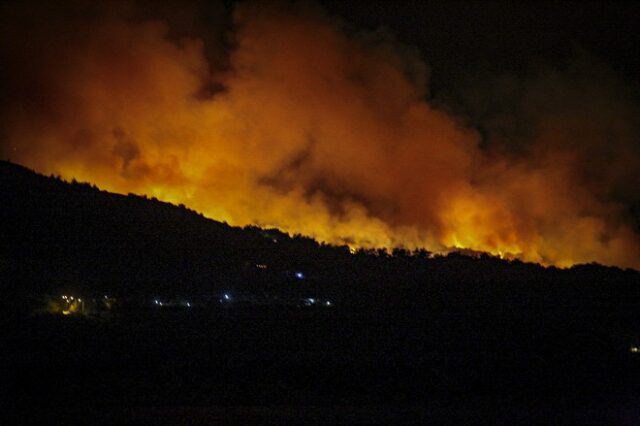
<point x="313" y="128"/>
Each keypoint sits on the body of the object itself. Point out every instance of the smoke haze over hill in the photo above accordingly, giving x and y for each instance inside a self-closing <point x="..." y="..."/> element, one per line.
<point x="285" y="116"/>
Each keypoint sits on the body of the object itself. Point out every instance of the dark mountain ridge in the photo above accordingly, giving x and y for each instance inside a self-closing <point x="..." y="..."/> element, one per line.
<point x="60" y="236"/>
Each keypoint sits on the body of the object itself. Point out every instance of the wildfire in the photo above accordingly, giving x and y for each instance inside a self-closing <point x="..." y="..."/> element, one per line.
<point x="315" y="131"/>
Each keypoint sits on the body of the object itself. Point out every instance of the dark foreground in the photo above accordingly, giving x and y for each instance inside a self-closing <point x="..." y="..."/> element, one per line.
<point x="292" y="366"/>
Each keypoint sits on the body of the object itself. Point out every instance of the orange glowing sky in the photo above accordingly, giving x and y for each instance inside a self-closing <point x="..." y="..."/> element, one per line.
<point x="322" y="131"/>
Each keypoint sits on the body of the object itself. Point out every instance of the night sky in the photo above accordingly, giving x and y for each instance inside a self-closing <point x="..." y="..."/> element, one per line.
<point x="461" y="37"/>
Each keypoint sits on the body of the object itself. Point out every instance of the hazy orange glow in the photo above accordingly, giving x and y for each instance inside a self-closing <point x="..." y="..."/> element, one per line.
<point x="317" y="132"/>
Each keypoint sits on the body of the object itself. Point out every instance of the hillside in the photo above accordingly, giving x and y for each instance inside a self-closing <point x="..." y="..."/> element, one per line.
<point x="72" y="236"/>
<point x="58" y="234"/>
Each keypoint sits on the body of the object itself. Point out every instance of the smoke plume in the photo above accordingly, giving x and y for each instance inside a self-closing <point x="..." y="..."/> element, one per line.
<point x="285" y="117"/>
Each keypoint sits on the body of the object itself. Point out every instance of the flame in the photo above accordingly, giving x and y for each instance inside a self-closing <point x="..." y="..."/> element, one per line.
<point x="316" y="131"/>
